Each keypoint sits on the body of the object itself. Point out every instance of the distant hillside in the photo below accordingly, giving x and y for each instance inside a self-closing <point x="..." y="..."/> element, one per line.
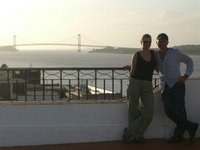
<point x="8" y="49"/>
<point x="110" y="49"/>
<point x="188" y="49"/>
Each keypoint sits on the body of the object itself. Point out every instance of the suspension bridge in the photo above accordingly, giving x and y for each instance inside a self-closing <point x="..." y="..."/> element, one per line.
<point x="78" y="44"/>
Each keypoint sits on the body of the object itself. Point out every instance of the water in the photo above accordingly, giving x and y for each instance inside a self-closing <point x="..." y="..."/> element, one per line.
<point x="62" y="58"/>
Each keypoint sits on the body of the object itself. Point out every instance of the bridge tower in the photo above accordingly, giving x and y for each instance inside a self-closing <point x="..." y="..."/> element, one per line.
<point x="79" y="43"/>
<point x="14" y="41"/>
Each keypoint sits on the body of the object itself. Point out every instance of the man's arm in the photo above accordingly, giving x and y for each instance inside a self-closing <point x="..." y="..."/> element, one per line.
<point x="188" y="62"/>
<point x="189" y="66"/>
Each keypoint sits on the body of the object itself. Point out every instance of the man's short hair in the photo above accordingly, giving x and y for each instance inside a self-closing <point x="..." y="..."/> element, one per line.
<point x="162" y="36"/>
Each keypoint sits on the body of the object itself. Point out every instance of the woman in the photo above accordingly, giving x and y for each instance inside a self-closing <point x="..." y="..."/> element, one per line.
<point x="140" y="92"/>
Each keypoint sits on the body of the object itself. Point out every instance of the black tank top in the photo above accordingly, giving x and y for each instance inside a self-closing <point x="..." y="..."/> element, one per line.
<point x="144" y="69"/>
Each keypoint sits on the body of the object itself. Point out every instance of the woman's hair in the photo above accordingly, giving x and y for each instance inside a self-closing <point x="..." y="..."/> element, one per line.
<point x="146" y="36"/>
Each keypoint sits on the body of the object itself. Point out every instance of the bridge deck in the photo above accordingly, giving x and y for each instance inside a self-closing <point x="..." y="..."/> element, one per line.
<point x="152" y="144"/>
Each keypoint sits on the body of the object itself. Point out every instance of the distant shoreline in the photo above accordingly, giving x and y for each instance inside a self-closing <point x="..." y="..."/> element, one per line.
<point x="8" y="49"/>
<point x="188" y="49"/>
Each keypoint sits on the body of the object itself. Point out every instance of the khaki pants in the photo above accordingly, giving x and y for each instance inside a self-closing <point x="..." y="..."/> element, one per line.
<point x="141" y="106"/>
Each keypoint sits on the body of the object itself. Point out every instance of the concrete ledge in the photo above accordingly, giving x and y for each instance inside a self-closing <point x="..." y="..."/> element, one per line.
<point x="42" y="123"/>
<point x="73" y="123"/>
<point x="62" y="102"/>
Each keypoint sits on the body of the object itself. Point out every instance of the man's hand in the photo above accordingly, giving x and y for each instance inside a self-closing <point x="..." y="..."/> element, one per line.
<point x="182" y="79"/>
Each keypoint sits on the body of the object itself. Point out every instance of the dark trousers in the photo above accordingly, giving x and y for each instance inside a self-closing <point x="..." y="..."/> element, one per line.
<point x="174" y="106"/>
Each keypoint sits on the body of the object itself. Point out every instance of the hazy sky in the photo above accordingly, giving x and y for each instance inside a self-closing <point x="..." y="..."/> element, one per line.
<point x="106" y="22"/>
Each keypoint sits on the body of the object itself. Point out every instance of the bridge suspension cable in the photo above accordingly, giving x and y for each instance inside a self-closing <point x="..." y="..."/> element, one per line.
<point x="78" y="44"/>
<point x="96" y="43"/>
<point x="61" y="44"/>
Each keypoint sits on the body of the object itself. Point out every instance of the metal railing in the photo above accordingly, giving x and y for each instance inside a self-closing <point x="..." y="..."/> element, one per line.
<point x="64" y="84"/>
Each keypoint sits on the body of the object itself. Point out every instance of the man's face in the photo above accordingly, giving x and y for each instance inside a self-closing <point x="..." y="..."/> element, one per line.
<point x="162" y="43"/>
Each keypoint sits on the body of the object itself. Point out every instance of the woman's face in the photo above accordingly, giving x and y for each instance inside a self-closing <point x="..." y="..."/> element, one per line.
<point x="146" y="43"/>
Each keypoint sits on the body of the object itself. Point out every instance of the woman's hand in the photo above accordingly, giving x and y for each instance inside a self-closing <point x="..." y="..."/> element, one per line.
<point x="127" y="67"/>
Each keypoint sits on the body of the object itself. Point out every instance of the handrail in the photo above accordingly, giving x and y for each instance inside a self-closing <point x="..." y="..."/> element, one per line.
<point x="64" y="83"/>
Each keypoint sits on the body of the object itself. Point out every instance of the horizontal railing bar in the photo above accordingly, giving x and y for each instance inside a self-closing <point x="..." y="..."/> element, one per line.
<point x="62" y="68"/>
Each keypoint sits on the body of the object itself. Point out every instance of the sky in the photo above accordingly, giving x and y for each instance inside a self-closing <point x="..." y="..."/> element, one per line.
<point x="118" y="23"/>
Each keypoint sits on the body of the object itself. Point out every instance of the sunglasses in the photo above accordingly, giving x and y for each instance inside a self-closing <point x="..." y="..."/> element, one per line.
<point x="146" y="41"/>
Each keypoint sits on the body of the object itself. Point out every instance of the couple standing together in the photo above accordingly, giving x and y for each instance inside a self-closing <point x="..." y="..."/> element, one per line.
<point x="140" y="94"/>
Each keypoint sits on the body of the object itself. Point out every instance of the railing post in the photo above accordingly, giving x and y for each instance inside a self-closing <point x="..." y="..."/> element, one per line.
<point x="43" y="84"/>
<point x="121" y="88"/>
<point x="113" y="84"/>
<point x="78" y="80"/>
<point x="61" y="83"/>
<point x="87" y="90"/>
<point x="8" y="85"/>
<point x="16" y="97"/>
<point x="104" y="88"/>
<point x="34" y="91"/>
<point x="69" y="89"/>
<point x="26" y="82"/>
<point x="95" y="81"/>
<point x="52" y="89"/>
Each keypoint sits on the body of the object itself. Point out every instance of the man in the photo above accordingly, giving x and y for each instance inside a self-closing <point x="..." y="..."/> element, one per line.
<point x="173" y="96"/>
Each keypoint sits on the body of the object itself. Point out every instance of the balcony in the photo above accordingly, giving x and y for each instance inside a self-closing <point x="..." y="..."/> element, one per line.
<point x="63" y="84"/>
<point x="31" y="115"/>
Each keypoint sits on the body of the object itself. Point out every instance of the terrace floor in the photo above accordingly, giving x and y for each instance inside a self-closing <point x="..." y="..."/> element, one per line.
<point x="151" y="144"/>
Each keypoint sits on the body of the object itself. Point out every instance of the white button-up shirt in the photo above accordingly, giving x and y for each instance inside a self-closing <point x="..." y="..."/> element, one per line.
<point x="170" y="65"/>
